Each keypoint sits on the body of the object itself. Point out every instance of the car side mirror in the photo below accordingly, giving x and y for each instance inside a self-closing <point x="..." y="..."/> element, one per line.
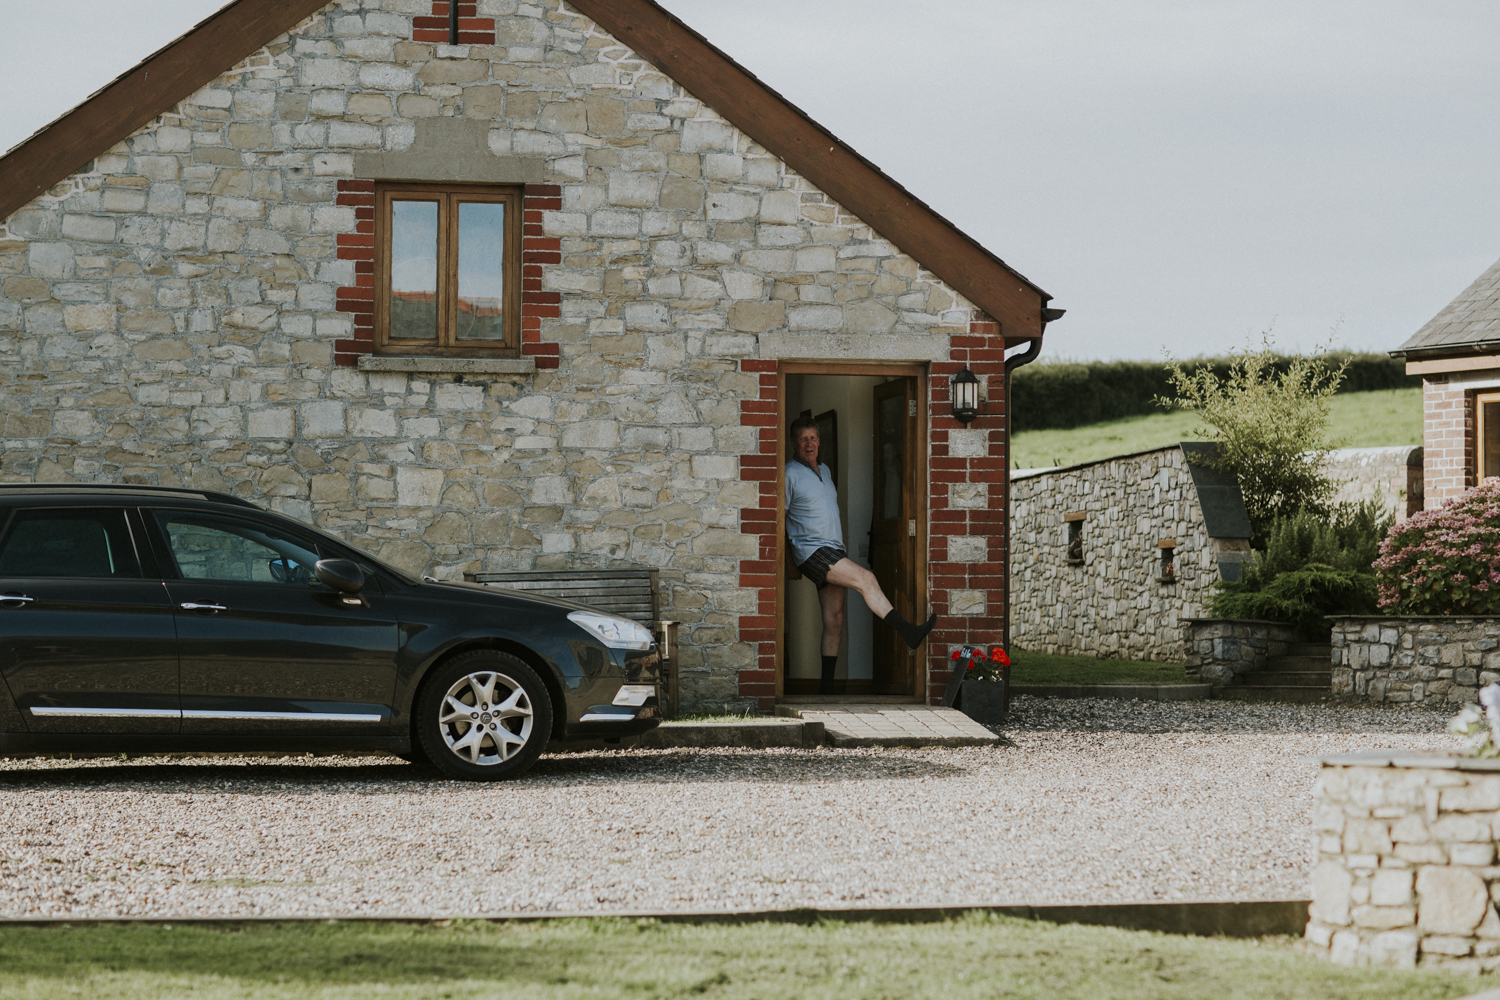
<point x="343" y="575"/>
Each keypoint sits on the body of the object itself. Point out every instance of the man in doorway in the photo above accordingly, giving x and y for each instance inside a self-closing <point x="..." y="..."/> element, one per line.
<point x="817" y="539"/>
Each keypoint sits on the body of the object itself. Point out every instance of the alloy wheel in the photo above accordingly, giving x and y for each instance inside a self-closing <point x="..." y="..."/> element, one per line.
<point x="486" y="718"/>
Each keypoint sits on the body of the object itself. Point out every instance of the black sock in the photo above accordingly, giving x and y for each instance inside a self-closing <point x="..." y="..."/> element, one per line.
<point x="830" y="663"/>
<point x="913" y="634"/>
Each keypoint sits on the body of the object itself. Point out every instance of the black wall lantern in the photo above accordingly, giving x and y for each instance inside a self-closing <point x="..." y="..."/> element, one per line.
<point x="964" y="396"/>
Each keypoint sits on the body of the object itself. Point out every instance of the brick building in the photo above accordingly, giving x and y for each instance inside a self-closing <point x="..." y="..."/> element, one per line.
<point x="1457" y="353"/>
<point x="512" y="285"/>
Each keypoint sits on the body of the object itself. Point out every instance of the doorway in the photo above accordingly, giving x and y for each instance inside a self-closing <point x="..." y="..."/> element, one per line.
<point x="872" y="425"/>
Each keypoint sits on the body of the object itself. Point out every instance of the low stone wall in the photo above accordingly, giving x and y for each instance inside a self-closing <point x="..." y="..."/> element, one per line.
<point x="1406" y="854"/>
<point x="1442" y="660"/>
<point x="1221" y="651"/>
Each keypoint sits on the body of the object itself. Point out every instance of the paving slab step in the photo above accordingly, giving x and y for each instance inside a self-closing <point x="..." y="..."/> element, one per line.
<point x="1323" y="649"/>
<point x="888" y="725"/>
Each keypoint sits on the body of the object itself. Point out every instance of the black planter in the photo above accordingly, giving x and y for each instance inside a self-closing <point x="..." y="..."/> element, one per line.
<point x="983" y="701"/>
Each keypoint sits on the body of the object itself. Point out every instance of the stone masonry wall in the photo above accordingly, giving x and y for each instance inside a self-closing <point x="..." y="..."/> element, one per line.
<point x="1405" y="871"/>
<point x="1433" y="660"/>
<point x="1113" y="604"/>
<point x="169" y="315"/>
<point x="1223" y="651"/>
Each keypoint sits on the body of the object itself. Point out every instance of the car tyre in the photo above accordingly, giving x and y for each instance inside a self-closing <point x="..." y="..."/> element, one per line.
<point x="483" y="716"/>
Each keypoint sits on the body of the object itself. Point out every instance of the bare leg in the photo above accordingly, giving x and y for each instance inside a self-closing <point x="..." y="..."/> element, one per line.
<point x="833" y="598"/>
<point x="848" y="573"/>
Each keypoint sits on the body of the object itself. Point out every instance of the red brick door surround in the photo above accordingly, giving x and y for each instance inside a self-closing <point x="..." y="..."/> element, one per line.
<point x="967" y="596"/>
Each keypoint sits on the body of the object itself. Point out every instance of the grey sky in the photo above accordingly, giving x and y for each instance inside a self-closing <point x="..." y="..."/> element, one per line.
<point x="1177" y="174"/>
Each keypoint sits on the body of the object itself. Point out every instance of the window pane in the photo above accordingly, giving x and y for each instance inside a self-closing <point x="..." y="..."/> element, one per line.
<point x="213" y="548"/>
<point x="481" y="270"/>
<point x="892" y="452"/>
<point x="1490" y="451"/>
<point x="414" y="270"/>
<point x="89" y="543"/>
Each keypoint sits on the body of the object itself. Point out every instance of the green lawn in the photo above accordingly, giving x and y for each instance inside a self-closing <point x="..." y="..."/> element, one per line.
<point x="978" y="956"/>
<point x="1044" y="668"/>
<point x="1357" y="420"/>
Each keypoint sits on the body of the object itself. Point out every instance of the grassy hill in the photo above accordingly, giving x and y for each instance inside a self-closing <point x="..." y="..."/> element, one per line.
<point x="1358" y="420"/>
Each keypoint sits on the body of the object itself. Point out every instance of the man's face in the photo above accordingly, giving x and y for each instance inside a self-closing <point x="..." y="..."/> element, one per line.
<point x="807" y="445"/>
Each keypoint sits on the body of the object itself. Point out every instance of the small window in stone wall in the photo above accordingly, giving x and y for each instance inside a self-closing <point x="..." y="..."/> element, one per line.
<point x="1168" y="570"/>
<point x="447" y="269"/>
<point x="1075" y="538"/>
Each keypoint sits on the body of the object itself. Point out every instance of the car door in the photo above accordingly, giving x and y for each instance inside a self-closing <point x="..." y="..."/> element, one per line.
<point x="86" y="633"/>
<point x="265" y="647"/>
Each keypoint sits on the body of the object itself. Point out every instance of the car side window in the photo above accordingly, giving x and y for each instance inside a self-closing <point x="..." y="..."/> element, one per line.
<point x="211" y="547"/>
<point x="91" y="542"/>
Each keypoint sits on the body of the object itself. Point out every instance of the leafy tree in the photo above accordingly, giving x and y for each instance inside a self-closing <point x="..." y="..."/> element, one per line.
<point x="1269" y="417"/>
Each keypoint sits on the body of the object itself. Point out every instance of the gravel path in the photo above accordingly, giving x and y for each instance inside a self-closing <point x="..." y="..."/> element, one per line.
<point x="1088" y="801"/>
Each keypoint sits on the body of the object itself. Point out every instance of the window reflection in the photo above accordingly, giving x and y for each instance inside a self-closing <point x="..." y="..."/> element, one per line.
<point x="481" y="271"/>
<point x="414" y="269"/>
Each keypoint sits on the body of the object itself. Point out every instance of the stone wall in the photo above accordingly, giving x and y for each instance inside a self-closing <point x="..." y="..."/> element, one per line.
<point x="1113" y="603"/>
<point x="1378" y="474"/>
<point x="1405" y="862"/>
<point x="1441" y="660"/>
<point x="170" y="315"/>
<point x="1222" y="651"/>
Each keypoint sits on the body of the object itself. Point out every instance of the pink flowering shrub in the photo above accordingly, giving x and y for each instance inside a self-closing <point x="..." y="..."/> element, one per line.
<point x="1444" y="561"/>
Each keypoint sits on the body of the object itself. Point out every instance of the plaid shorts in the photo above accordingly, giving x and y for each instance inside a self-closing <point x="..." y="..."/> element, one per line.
<point x="819" y="563"/>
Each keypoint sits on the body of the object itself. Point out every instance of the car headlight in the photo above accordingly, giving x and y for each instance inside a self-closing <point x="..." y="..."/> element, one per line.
<point x="616" y="633"/>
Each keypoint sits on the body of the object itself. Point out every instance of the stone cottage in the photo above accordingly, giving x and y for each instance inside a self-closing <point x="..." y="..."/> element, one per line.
<point x="511" y="285"/>
<point x="1457" y="353"/>
<point x="1107" y="558"/>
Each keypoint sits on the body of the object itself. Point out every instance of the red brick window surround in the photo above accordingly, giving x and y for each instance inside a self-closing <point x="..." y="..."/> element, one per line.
<point x="439" y="25"/>
<point x="537" y="251"/>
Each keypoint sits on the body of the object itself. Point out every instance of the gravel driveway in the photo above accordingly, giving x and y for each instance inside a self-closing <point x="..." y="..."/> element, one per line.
<point x="1089" y="801"/>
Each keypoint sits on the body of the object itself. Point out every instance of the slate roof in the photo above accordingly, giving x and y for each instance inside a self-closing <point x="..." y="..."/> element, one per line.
<point x="1471" y="322"/>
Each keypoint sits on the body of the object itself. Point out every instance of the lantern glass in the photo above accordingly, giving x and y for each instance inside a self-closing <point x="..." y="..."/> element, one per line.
<point x="965" y="396"/>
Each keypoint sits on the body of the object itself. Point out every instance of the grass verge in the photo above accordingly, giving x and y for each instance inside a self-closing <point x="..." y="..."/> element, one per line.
<point x="1356" y="420"/>
<point x="975" y="956"/>
<point x="1045" y="668"/>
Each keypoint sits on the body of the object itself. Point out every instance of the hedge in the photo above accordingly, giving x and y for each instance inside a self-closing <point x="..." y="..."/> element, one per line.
<point x="1063" y="394"/>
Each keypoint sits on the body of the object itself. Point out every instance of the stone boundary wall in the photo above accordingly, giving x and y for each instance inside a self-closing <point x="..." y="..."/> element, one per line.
<point x="1221" y="651"/>
<point x="1406" y="862"/>
<point x="1114" y="602"/>
<point x="1378" y="474"/>
<point x="1441" y="660"/>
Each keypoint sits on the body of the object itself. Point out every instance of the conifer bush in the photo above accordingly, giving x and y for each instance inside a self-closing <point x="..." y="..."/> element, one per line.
<point x="1444" y="561"/>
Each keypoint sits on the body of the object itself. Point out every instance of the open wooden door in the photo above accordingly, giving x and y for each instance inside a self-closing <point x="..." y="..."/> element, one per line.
<point x="893" y="529"/>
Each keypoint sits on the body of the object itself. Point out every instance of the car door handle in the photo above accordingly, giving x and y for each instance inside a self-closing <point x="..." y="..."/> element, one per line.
<point x="194" y="606"/>
<point x="21" y="598"/>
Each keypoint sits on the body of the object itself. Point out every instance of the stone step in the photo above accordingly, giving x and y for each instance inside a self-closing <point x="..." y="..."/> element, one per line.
<point x="1293" y="678"/>
<point x="1278" y="663"/>
<point x="1322" y="649"/>
<point x="1292" y="695"/>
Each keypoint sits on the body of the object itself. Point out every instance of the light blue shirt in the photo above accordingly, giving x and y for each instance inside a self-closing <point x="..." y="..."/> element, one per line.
<point x="812" y="510"/>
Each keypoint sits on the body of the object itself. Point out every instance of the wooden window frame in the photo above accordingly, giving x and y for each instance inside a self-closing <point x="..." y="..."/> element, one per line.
<point x="1481" y="398"/>
<point x="449" y="197"/>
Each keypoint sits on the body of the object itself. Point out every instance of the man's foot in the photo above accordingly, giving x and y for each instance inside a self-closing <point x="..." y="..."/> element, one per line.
<point x="913" y="634"/>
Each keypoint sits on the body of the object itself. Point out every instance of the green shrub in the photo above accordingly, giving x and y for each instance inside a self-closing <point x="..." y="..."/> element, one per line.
<point x="1445" y="561"/>
<point x="1313" y="566"/>
<point x="1062" y="395"/>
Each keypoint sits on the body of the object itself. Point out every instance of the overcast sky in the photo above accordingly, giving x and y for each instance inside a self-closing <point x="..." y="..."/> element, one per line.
<point x="1178" y="175"/>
